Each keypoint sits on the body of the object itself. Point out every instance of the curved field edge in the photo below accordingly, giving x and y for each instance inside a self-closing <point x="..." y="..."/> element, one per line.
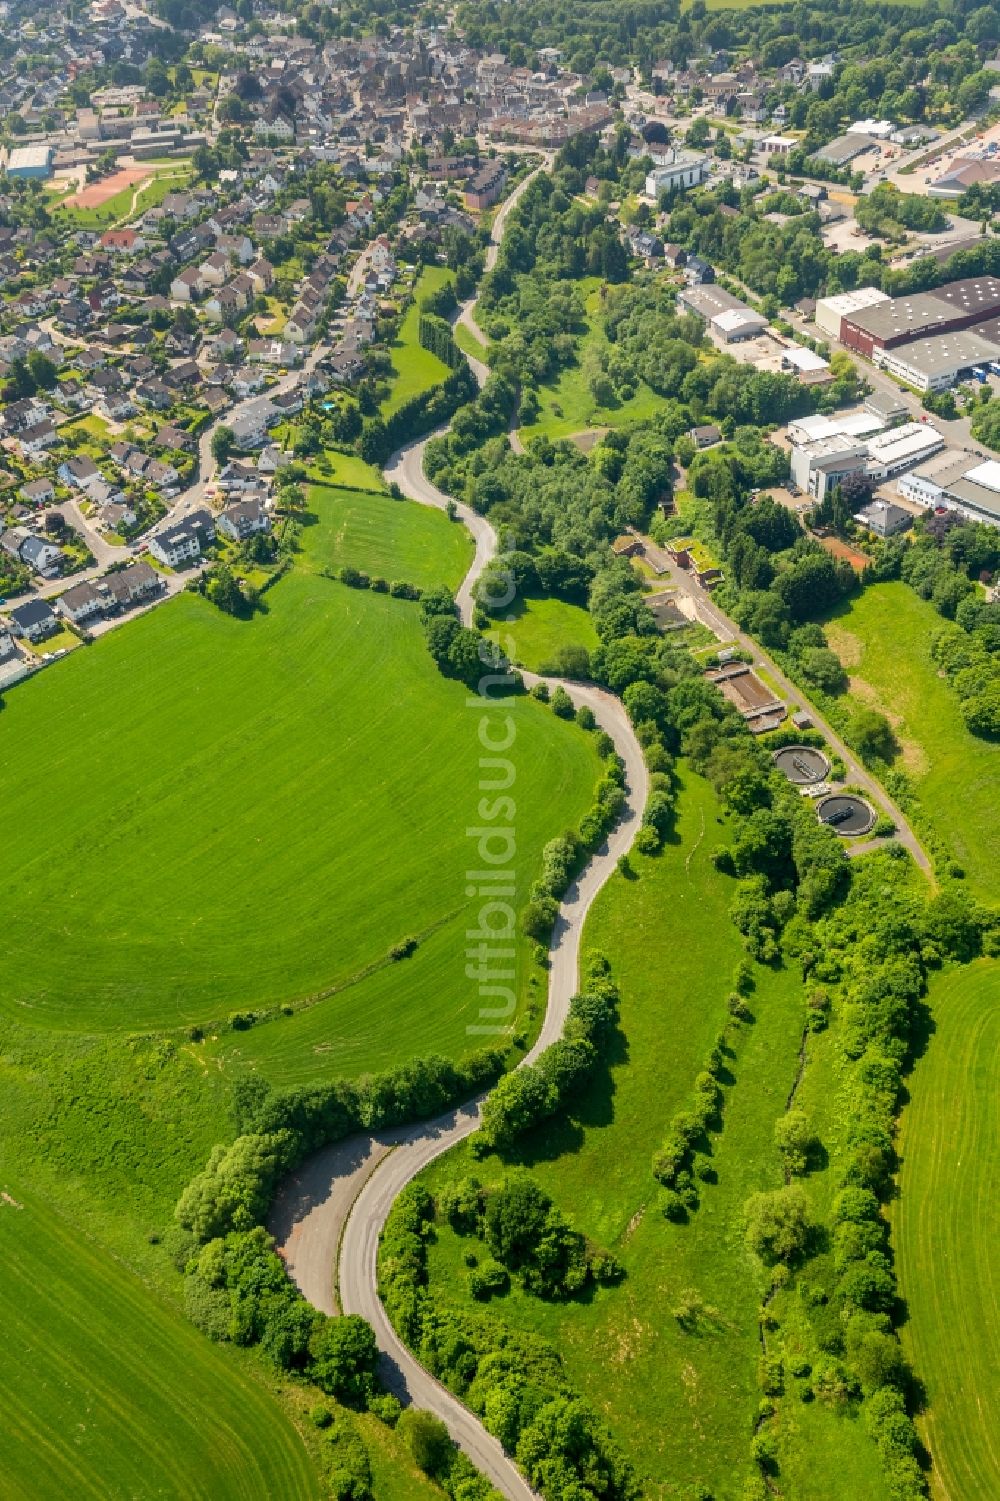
<point x="109" y="1394"/>
<point x="252" y="786"/>
<point x="946" y="1229"/>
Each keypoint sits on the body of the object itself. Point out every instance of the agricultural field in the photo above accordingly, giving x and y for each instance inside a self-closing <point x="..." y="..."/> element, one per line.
<point x="682" y="1404"/>
<point x="540" y="627"/>
<point x="415" y="369"/>
<point x="109" y="1393"/>
<point x="251" y="784"/>
<point x="391" y="539"/>
<point x="567" y="406"/>
<point x="883" y="639"/>
<point x="946" y="1229"/>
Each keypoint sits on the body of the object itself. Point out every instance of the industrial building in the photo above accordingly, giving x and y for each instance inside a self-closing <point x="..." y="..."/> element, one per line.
<point x="956" y="481"/>
<point x="826" y="450"/>
<point x="727" y="318"/>
<point x="930" y="339"/>
<point x="30" y="161"/>
<point x="831" y="311"/>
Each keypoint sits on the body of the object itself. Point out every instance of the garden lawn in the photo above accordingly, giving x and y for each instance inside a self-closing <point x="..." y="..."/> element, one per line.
<point x="391" y="539"/>
<point x="241" y="813"/>
<point x="415" y="369"/>
<point x="682" y="1405"/>
<point x="111" y="1395"/>
<point x="946" y="1228"/>
<point x="883" y="639"/>
<point x="541" y="627"/>
<point x="567" y="406"/>
<point x="335" y="468"/>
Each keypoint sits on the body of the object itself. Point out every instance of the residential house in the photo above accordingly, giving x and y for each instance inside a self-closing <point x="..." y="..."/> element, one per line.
<point x="186" y="285"/>
<point x="131" y="586"/>
<point x="78" y="472"/>
<point x="242" y="519"/>
<point x="117" y="516"/>
<point x="80" y="603"/>
<point x="34" y="620"/>
<point x="37" y="492"/>
<point x="45" y="558"/>
<point x="182" y="541"/>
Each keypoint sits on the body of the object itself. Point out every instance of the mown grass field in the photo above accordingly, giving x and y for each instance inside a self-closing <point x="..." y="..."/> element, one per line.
<point x="386" y="538"/>
<point x="415" y="369"/>
<point x="335" y="468"/>
<point x="110" y="1394"/>
<point x="883" y="639"/>
<point x="567" y="405"/>
<point x="540" y="627"/>
<point x="682" y="1404"/>
<point x="279" y="800"/>
<point x="946" y="1228"/>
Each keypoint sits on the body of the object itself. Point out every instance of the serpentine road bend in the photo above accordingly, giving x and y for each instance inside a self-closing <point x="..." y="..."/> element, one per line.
<point x="329" y="1216"/>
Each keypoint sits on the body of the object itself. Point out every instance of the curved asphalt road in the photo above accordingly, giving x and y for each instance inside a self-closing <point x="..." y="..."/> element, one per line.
<point x="330" y="1215"/>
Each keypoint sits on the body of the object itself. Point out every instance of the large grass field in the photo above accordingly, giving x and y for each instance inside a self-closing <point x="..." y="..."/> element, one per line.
<point x="946" y="1229"/>
<point x="415" y="369"/>
<point x="683" y="1405"/>
<point x="391" y="539"/>
<point x="109" y="1394"/>
<point x="540" y="627"/>
<point x="241" y="813"/>
<point x="567" y="406"/>
<point x="883" y="639"/>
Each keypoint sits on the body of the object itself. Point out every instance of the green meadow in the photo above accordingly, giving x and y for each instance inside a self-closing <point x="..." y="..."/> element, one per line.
<point x="883" y="639"/>
<point x="415" y="369"/>
<point x="682" y="1404"/>
<point x="541" y="627"/>
<point x="567" y="405"/>
<point x="110" y="1394"/>
<point x="281" y="801"/>
<point x="386" y="538"/>
<point x="946" y="1228"/>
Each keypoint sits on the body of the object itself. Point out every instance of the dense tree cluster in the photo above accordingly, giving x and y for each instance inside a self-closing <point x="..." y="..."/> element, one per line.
<point x="513" y="1381"/>
<point x="537" y="1091"/>
<point x="528" y="1237"/>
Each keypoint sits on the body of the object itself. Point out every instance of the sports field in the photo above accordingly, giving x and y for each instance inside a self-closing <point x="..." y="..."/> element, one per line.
<point x="386" y="538"/>
<point x="415" y="369"/>
<point x="946" y="1230"/>
<point x="280" y="800"/>
<point x="111" y="1395"/>
<point x="682" y="1404"/>
<point x="883" y="639"/>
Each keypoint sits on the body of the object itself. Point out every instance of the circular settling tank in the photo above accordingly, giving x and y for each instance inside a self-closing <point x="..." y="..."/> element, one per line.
<point x="846" y="814"/>
<point x="802" y="764"/>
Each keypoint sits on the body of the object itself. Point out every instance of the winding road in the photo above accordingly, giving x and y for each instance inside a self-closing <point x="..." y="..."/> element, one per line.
<point x="328" y="1218"/>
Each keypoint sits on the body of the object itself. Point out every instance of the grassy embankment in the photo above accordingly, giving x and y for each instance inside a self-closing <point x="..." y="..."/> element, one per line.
<point x="883" y="639"/>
